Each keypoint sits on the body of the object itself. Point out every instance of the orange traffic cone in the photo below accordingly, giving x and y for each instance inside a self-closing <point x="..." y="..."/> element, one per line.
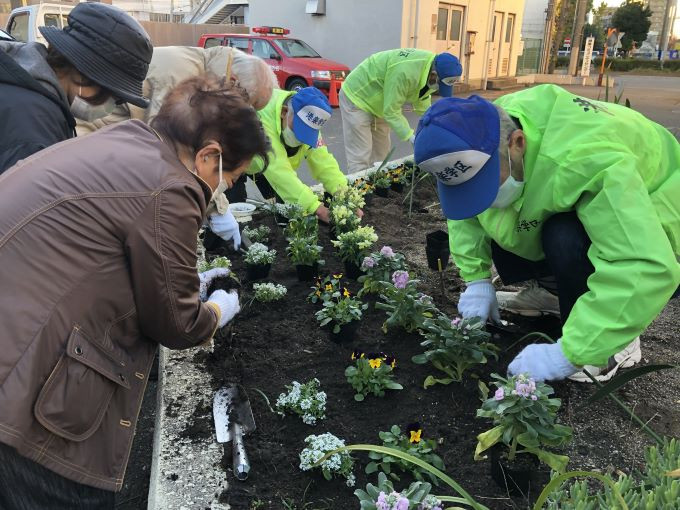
<point x="333" y="94"/>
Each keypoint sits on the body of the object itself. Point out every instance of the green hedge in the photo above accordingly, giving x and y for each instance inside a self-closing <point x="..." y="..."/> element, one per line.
<point x="626" y="64"/>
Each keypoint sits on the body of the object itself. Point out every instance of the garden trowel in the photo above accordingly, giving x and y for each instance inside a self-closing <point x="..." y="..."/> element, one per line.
<point x="233" y="420"/>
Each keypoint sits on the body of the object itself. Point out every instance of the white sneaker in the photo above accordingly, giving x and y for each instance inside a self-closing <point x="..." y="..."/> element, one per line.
<point x="532" y="301"/>
<point x="624" y="359"/>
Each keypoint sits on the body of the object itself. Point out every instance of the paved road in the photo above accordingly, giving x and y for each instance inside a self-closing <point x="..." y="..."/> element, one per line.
<point x="657" y="97"/>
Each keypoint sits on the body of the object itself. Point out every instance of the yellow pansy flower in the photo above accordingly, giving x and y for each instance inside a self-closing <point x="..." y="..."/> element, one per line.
<point x="415" y="436"/>
<point x="375" y="363"/>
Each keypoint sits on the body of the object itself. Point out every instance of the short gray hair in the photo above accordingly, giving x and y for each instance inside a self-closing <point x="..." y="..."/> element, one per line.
<point x="507" y="127"/>
<point x="253" y="74"/>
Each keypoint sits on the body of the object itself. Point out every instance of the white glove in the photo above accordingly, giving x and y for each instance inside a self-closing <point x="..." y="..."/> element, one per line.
<point x="226" y="226"/>
<point x="205" y="278"/>
<point x="543" y="362"/>
<point x="412" y="139"/>
<point x="227" y="303"/>
<point x="479" y="300"/>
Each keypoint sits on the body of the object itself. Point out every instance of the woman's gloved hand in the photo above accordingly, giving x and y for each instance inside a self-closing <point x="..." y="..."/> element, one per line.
<point x="227" y="303"/>
<point x="479" y="300"/>
<point x="226" y="227"/>
<point x="206" y="278"/>
<point x="543" y="362"/>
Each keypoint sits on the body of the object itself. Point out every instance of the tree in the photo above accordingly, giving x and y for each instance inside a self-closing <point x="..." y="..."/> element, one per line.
<point x="597" y="32"/>
<point x="633" y="19"/>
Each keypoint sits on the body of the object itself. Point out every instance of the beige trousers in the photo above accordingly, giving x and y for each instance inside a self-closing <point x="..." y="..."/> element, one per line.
<point x="367" y="138"/>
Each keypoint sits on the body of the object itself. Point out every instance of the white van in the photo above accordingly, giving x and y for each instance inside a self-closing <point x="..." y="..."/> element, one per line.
<point x="23" y="22"/>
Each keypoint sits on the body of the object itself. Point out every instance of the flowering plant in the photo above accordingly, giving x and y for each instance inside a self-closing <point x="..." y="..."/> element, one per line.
<point x="524" y="416"/>
<point x="340" y="463"/>
<point x="379" y="267"/>
<point x="303" y="226"/>
<point x="363" y="186"/>
<point x="404" y="304"/>
<point x="371" y="373"/>
<point x="411" y="442"/>
<point x="303" y="251"/>
<point x="288" y="211"/>
<point x="329" y="288"/>
<point x="384" y="497"/>
<point x="340" y="310"/>
<point x="453" y="346"/>
<point x="380" y="179"/>
<point x="258" y="234"/>
<point x="353" y="246"/>
<point x="305" y="400"/>
<point x="343" y="207"/>
<point x="398" y="174"/>
<point x="206" y="265"/>
<point x="258" y="254"/>
<point x="268" y="292"/>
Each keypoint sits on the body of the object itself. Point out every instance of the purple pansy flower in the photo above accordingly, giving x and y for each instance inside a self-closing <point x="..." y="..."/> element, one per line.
<point x="400" y="279"/>
<point x="500" y="394"/>
<point x="386" y="251"/>
<point x="368" y="263"/>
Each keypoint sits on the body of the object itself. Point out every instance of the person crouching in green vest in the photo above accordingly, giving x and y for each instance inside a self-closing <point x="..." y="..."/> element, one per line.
<point x="292" y="122"/>
<point x="577" y="196"/>
<point x="372" y="97"/>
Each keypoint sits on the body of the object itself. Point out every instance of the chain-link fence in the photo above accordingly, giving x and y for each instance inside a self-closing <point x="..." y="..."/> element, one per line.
<point x="530" y="59"/>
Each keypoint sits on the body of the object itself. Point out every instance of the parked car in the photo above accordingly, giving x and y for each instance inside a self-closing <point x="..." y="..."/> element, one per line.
<point x="23" y="22"/>
<point x="294" y="62"/>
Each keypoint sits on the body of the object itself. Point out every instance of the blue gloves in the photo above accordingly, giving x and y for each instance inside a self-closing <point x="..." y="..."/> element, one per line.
<point x="226" y="226"/>
<point x="479" y="300"/>
<point x="543" y="362"/>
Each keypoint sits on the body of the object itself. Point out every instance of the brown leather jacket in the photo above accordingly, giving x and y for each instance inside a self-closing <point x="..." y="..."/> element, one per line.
<point x="97" y="267"/>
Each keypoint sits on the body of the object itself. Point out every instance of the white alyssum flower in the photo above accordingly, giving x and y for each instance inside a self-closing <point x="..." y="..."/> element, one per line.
<point x="305" y="400"/>
<point x="267" y="292"/>
<point x="339" y="463"/>
<point x="258" y="253"/>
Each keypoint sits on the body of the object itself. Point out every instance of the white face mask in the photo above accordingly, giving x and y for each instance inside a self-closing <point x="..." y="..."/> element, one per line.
<point x="289" y="138"/>
<point x="509" y="191"/>
<point x="83" y="110"/>
<point x="219" y="202"/>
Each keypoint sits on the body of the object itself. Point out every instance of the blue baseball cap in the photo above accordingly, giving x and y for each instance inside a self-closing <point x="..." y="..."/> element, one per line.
<point x="448" y="70"/>
<point x="310" y="112"/>
<point x="457" y="141"/>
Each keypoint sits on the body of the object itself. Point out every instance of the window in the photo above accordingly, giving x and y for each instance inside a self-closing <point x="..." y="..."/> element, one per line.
<point x="211" y="42"/>
<point x="456" y="22"/>
<point x="52" y="20"/>
<point x="18" y="27"/>
<point x="442" y="21"/>
<point x="64" y="20"/>
<point x="508" y="29"/>
<point x="239" y="43"/>
<point x="493" y="32"/>
<point x="295" y="48"/>
<point x="263" y="49"/>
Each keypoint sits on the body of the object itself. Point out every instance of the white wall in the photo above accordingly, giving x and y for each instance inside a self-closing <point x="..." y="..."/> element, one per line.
<point x="534" y="18"/>
<point x="350" y="31"/>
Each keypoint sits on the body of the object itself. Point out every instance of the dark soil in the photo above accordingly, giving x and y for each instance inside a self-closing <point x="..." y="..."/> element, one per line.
<point x="271" y="345"/>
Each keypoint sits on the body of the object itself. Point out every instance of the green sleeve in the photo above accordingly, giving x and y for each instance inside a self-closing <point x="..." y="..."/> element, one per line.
<point x="284" y="180"/>
<point x="422" y="105"/>
<point x="394" y="96"/>
<point x="471" y="249"/>
<point x="636" y="271"/>
<point x="324" y="168"/>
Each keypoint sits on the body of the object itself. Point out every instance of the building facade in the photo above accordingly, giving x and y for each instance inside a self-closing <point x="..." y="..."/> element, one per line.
<point x="483" y="34"/>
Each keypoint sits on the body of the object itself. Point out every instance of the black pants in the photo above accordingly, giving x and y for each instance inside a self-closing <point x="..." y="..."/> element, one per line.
<point x="237" y="193"/>
<point x="26" y="485"/>
<point x="566" y="267"/>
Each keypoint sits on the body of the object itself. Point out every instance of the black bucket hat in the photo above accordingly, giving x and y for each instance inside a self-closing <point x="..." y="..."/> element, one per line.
<point x="106" y="45"/>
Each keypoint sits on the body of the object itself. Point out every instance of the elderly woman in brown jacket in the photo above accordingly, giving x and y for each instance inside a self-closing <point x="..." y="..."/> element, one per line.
<point x="98" y="267"/>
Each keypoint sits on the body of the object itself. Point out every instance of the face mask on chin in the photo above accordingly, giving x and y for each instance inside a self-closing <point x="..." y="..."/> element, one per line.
<point x="83" y="110"/>
<point x="288" y="134"/>
<point x="509" y="191"/>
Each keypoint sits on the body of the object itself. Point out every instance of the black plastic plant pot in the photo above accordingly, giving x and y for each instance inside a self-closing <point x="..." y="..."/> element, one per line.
<point x="257" y="271"/>
<point x="352" y="271"/>
<point x="519" y="477"/>
<point x="280" y="218"/>
<point x="347" y="333"/>
<point x="368" y="198"/>
<point x="437" y="239"/>
<point x="398" y="187"/>
<point x="382" y="192"/>
<point x="435" y="255"/>
<point x="307" y="273"/>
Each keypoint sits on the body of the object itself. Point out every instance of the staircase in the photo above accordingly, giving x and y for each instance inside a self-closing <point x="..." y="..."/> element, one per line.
<point x="214" y="11"/>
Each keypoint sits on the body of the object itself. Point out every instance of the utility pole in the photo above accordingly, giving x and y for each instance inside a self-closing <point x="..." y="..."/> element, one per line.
<point x="666" y="29"/>
<point x="577" y="38"/>
<point x="547" y="36"/>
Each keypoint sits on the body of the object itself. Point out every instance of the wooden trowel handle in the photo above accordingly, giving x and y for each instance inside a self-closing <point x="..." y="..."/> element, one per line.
<point x="240" y="457"/>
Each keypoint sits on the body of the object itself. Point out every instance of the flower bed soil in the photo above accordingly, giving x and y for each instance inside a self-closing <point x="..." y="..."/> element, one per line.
<point x="271" y="345"/>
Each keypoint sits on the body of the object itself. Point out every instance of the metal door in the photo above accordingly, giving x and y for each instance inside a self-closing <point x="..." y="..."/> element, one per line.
<point x="450" y="19"/>
<point x="494" y="51"/>
<point x="506" y="45"/>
